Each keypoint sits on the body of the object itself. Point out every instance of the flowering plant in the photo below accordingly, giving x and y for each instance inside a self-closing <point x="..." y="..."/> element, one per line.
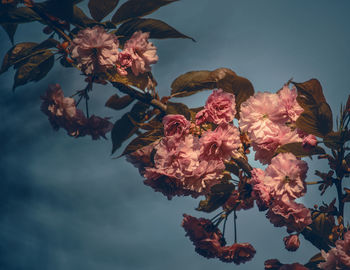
<point x="198" y="152"/>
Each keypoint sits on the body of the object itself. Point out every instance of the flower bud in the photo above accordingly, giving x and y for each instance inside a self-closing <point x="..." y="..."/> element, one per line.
<point x="291" y="242"/>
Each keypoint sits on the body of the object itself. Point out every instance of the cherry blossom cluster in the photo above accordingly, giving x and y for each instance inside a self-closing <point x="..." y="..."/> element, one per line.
<point x="276" y="189"/>
<point x="96" y="50"/>
<point x="269" y="120"/>
<point x="187" y="163"/>
<point x="63" y="113"/>
<point x="210" y="243"/>
<point x="338" y="257"/>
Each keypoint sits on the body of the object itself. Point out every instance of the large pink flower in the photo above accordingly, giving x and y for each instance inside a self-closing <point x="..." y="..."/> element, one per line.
<point x="260" y="114"/>
<point x="176" y="126"/>
<point x="142" y="52"/>
<point x="179" y="163"/>
<point x="220" y="144"/>
<point x="284" y="212"/>
<point x="266" y="145"/>
<point x="95" y="50"/>
<point x="286" y="175"/>
<point x="220" y="108"/>
<point x="288" y="100"/>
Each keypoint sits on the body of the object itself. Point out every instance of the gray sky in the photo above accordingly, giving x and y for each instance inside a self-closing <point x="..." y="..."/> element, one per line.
<point x="65" y="204"/>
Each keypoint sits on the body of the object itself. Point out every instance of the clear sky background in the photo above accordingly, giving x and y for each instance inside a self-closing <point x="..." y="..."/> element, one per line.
<point x="66" y="204"/>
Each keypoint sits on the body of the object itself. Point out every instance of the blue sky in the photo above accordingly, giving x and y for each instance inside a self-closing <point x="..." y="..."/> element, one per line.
<point x="66" y="204"/>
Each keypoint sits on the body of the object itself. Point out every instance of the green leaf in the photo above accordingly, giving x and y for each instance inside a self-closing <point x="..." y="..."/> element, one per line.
<point x="22" y="51"/>
<point x="100" y="9"/>
<point x="195" y="81"/>
<point x="334" y="140"/>
<point x="138" y="8"/>
<point x="34" y="69"/>
<point x="156" y="28"/>
<point x="118" y="103"/>
<point x="16" y="53"/>
<point x="218" y="196"/>
<point x="298" y="150"/>
<point x="143" y="140"/>
<point x="192" y="82"/>
<point x="10" y="29"/>
<point x="124" y="128"/>
<point x="18" y="15"/>
<point x="317" y="117"/>
<point x="319" y="230"/>
<point x="178" y="108"/>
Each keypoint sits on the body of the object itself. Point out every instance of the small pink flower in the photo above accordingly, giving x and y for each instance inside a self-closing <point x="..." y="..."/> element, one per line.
<point x="143" y="52"/>
<point x="124" y="62"/>
<point x="58" y="105"/>
<point x="309" y="142"/>
<point x="220" y="108"/>
<point x="220" y="144"/>
<point x="95" y="50"/>
<point x="286" y="175"/>
<point x="291" y="242"/>
<point x="237" y="253"/>
<point x="288" y="100"/>
<point x="176" y="126"/>
<point x="284" y="212"/>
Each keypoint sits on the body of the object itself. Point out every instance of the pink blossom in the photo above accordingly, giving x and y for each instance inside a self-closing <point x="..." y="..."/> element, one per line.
<point x="260" y="114"/>
<point x="266" y="145"/>
<point x="291" y="242"/>
<point x="143" y="52"/>
<point x="284" y="212"/>
<point x="95" y="50"/>
<point x="176" y="162"/>
<point x="237" y="253"/>
<point x="286" y="175"/>
<point x="124" y="62"/>
<point x="58" y="105"/>
<point x="220" y="144"/>
<point x="220" y="108"/>
<point x="205" y="236"/>
<point x="177" y="166"/>
<point x="338" y="257"/>
<point x="62" y="111"/>
<point x="176" y="126"/>
<point x="260" y="192"/>
<point x="141" y="158"/>
<point x="202" y="117"/>
<point x="309" y="142"/>
<point x="288" y="100"/>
